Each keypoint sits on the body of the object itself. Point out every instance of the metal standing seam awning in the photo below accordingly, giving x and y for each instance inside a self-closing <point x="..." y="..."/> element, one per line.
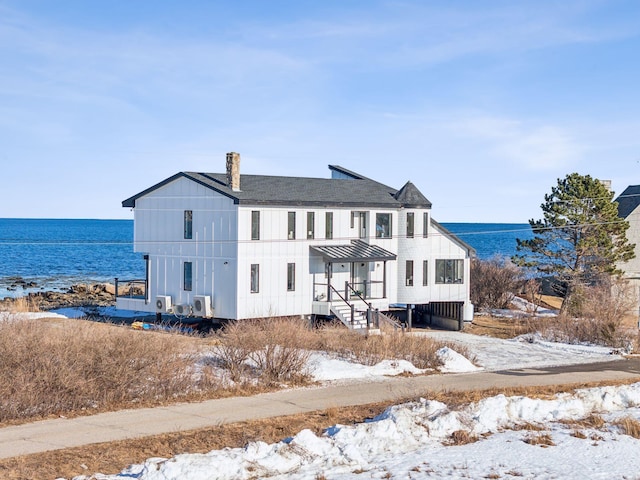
<point x="357" y="251"/>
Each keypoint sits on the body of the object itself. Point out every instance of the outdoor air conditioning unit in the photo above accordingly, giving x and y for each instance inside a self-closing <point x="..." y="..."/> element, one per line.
<point x="163" y="304"/>
<point x="182" y="310"/>
<point x="202" y="306"/>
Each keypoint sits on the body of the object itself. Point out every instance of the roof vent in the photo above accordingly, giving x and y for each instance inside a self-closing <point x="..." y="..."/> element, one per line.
<point x="233" y="171"/>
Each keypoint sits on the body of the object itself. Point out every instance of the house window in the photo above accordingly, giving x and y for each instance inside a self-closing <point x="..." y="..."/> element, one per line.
<point x="188" y="224"/>
<point x="425" y="224"/>
<point x="291" y="225"/>
<point x="311" y="229"/>
<point x="409" y="224"/>
<point x="425" y="272"/>
<point x="255" y="278"/>
<point x="363" y="224"/>
<point x="328" y="226"/>
<point x="408" y="274"/>
<point x="449" y="271"/>
<point x="383" y="225"/>
<point x="255" y="225"/>
<point x="188" y="276"/>
<point x="291" y="277"/>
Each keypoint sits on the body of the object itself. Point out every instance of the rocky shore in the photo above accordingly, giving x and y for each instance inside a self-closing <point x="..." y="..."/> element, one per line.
<point x="79" y="295"/>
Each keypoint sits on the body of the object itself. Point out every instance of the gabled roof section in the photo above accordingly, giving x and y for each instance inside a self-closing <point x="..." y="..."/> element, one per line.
<point x="452" y="236"/>
<point x="410" y="197"/>
<point x="628" y="201"/>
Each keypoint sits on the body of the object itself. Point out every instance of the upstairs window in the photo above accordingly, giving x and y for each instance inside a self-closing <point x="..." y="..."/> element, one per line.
<point x="408" y="274"/>
<point x="188" y="224"/>
<point x="425" y="224"/>
<point x="291" y="225"/>
<point x="383" y="225"/>
<point x="255" y="225"/>
<point x="328" y="226"/>
<point x="311" y="227"/>
<point x="188" y="276"/>
<point x="449" y="271"/>
<point x="410" y="224"/>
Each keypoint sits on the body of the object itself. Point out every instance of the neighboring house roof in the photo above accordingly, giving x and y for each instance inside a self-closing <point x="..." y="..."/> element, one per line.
<point x="357" y="251"/>
<point x="628" y="200"/>
<point x="355" y="191"/>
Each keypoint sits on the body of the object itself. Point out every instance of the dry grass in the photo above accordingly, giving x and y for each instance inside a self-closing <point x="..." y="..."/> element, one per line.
<point x="505" y="328"/>
<point x="529" y="427"/>
<point x="52" y="368"/>
<point x="461" y="437"/>
<point x="24" y="305"/>
<point x="273" y="348"/>
<point x="419" y="350"/>
<point x="542" y="439"/>
<point x="593" y="421"/>
<point x="561" y="328"/>
<point x="112" y="457"/>
<point x="629" y="426"/>
<point x="69" y="367"/>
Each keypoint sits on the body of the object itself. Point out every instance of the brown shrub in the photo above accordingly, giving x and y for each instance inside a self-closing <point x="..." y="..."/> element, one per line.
<point x="277" y="348"/>
<point x="493" y="282"/>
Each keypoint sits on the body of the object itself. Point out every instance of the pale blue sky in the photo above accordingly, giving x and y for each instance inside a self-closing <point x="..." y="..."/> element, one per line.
<point x="481" y="104"/>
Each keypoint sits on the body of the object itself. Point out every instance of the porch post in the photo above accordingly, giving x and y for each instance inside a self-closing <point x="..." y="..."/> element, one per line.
<point x="384" y="279"/>
<point x="329" y="268"/>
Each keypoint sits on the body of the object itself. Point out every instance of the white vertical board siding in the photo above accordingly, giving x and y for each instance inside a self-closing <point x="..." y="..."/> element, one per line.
<point x="443" y="247"/>
<point x="274" y="251"/>
<point x="416" y="249"/>
<point x="159" y="232"/>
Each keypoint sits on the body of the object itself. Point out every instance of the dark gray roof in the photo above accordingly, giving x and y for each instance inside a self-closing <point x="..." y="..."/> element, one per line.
<point x="357" y="251"/>
<point x="411" y="197"/>
<point x="628" y="200"/>
<point x="292" y="191"/>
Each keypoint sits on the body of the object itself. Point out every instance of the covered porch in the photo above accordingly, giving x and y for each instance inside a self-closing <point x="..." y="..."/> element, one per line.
<point x="354" y="273"/>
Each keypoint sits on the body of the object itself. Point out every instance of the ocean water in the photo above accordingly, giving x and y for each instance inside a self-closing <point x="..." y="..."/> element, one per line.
<point x="491" y="239"/>
<point x="55" y="254"/>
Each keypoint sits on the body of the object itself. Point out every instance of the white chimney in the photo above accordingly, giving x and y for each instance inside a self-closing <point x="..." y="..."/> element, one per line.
<point x="233" y="171"/>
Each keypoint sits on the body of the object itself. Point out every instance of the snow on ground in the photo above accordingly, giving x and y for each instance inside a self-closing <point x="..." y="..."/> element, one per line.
<point x="4" y="316"/>
<point x="106" y="312"/>
<point x="453" y="362"/>
<point x="524" y="352"/>
<point x="410" y="441"/>
<point x="324" y="367"/>
<point x="524" y="308"/>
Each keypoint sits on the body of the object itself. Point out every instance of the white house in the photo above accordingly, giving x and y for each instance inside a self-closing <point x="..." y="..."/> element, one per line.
<point x="629" y="209"/>
<point x="233" y="246"/>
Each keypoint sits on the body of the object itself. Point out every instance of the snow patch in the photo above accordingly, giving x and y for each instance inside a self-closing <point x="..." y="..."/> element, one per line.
<point x="410" y="438"/>
<point x="453" y="362"/>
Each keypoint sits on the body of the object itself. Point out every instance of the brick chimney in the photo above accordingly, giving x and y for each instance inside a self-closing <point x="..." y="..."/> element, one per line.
<point x="233" y="171"/>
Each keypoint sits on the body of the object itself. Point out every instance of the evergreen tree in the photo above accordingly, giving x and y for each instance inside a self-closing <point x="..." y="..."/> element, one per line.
<point x="581" y="239"/>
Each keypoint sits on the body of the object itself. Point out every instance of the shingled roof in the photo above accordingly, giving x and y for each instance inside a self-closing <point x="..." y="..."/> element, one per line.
<point x="628" y="200"/>
<point x="411" y="197"/>
<point x="354" y="191"/>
